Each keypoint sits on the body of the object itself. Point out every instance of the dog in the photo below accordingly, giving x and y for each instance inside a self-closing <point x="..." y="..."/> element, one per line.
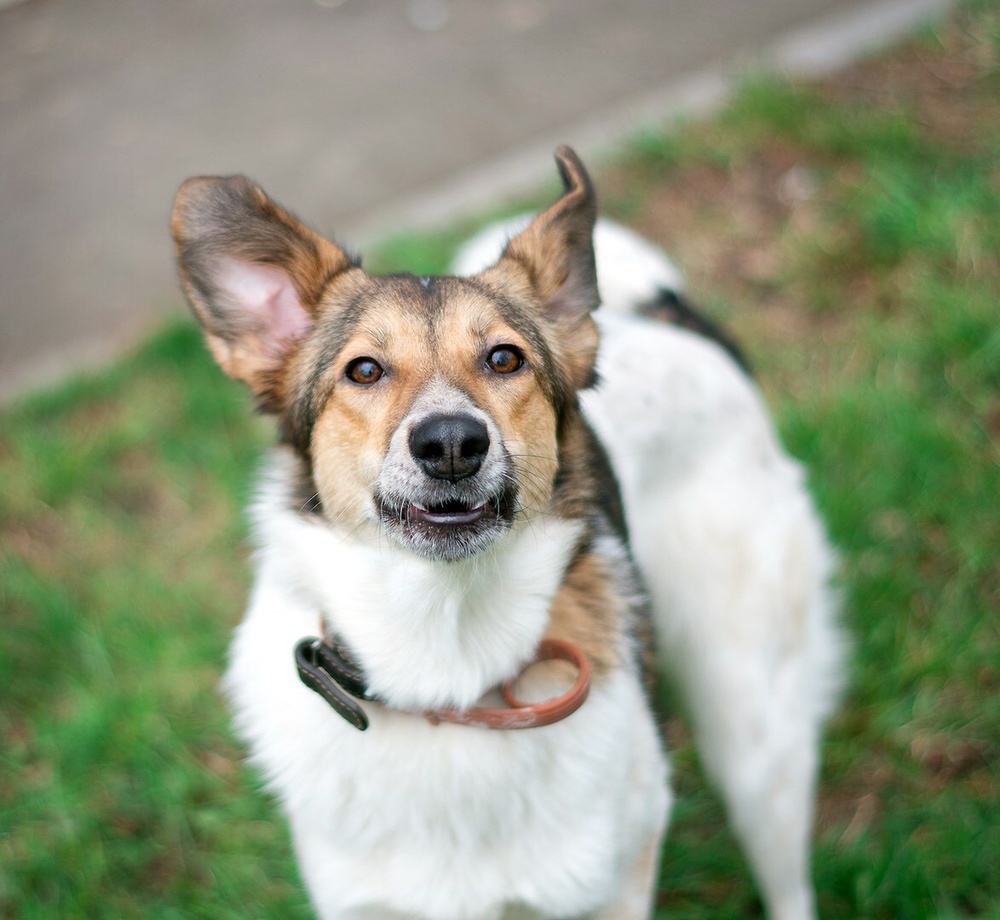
<point x="487" y="499"/>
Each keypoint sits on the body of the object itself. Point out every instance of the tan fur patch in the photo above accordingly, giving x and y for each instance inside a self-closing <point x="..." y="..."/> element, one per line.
<point x="589" y="613"/>
<point x="352" y="434"/>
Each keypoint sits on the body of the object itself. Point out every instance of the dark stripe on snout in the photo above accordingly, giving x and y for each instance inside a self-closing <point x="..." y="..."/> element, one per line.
<point x="321" y="349"/>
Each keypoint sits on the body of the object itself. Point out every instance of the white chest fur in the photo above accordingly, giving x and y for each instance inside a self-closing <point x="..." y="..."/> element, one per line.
<point x="427" y="634"/>
<point x="438" y="821"/>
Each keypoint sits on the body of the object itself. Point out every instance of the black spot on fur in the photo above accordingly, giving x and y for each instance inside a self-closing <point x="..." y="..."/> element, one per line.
<point x="674" y="308"/>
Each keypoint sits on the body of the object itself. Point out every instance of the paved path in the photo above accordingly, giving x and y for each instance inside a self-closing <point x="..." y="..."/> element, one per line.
<point x="359" y="114"/>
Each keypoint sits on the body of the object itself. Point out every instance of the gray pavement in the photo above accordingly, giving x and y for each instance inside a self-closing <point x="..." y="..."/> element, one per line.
<point x="361" y="115"/>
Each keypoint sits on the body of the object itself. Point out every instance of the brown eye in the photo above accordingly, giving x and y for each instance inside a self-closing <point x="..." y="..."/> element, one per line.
<point x="505" y="359"/>
<point x="364" y="371"/>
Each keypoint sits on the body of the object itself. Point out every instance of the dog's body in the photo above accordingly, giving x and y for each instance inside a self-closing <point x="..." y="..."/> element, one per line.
<point x="440" y="506"/>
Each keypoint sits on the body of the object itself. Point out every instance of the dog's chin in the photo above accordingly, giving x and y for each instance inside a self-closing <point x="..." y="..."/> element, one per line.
<point x="447" y="530"/>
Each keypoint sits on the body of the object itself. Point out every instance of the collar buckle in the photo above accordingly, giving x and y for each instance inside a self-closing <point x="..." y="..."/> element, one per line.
<point x="322" y="670"/>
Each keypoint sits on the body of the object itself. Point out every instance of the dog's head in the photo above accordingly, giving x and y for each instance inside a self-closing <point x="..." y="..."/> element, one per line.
<point x="427" y="409"/>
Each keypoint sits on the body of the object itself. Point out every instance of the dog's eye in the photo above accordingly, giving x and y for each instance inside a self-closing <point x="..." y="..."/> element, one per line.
<point x="505" y="359"/>
<point x="364" y="370"/>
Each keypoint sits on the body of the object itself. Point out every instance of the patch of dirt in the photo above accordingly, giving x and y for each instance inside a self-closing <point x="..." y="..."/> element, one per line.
<point x="139" y="488"/>
<point x="946" y="758"/>
<point x="855" y="802"/>
<point x="949" y="81"/>
<point x="40" y="540"/>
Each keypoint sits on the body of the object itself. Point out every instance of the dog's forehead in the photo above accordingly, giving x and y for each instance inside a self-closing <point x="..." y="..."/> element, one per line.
<point x="437" y="313"/>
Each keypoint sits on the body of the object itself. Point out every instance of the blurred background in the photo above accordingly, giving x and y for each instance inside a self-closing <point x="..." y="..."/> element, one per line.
<point x="839" y="220"/>
<point x="362" y="115"/>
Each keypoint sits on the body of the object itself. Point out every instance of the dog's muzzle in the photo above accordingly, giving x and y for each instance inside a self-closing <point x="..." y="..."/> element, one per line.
<point x="451" y="490"/>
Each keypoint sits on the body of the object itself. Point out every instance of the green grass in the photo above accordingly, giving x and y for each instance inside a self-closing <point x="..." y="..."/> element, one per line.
<point x="121" y="577"/>
<point x="870" y="305"/>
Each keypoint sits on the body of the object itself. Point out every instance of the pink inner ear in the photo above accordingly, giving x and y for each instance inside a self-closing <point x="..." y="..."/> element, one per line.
<point x="268" y="297"/>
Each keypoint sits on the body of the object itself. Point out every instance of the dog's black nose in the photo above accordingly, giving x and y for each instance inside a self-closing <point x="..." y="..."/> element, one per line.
<point x="449" y="446"/>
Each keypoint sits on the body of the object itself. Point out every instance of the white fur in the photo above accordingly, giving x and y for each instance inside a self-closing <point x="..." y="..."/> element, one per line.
<point x="454" y="823"/>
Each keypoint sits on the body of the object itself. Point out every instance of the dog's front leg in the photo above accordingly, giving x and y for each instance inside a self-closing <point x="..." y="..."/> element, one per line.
<point x="635" y="901"/>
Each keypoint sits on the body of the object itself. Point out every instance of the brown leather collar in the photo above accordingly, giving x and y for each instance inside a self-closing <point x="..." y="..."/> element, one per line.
<point x="327" y="667"/>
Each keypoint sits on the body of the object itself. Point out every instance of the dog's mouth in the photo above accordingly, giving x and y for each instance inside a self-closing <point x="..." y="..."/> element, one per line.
<point x="447" y="514"/>
<point x="447" y="529"/>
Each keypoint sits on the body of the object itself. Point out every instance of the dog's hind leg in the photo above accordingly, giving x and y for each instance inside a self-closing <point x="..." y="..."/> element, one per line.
<point x="736" y="564"/>
<point x="737" y="569"/>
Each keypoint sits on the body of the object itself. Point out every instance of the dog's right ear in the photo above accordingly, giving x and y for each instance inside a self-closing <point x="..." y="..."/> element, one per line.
<point x="254" y="276"/>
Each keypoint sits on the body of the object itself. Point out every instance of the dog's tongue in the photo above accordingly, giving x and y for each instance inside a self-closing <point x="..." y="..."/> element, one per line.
<point x="447" y="514"/>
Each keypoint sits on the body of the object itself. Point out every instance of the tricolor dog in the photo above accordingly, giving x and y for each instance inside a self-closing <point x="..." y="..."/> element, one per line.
<point x="493" y="511"/>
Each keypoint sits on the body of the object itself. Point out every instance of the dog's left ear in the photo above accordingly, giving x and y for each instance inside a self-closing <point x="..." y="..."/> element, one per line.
<point x="552" y="262"/>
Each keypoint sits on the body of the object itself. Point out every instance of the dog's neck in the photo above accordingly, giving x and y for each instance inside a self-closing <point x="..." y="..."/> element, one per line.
<point x="428" y="634"/>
